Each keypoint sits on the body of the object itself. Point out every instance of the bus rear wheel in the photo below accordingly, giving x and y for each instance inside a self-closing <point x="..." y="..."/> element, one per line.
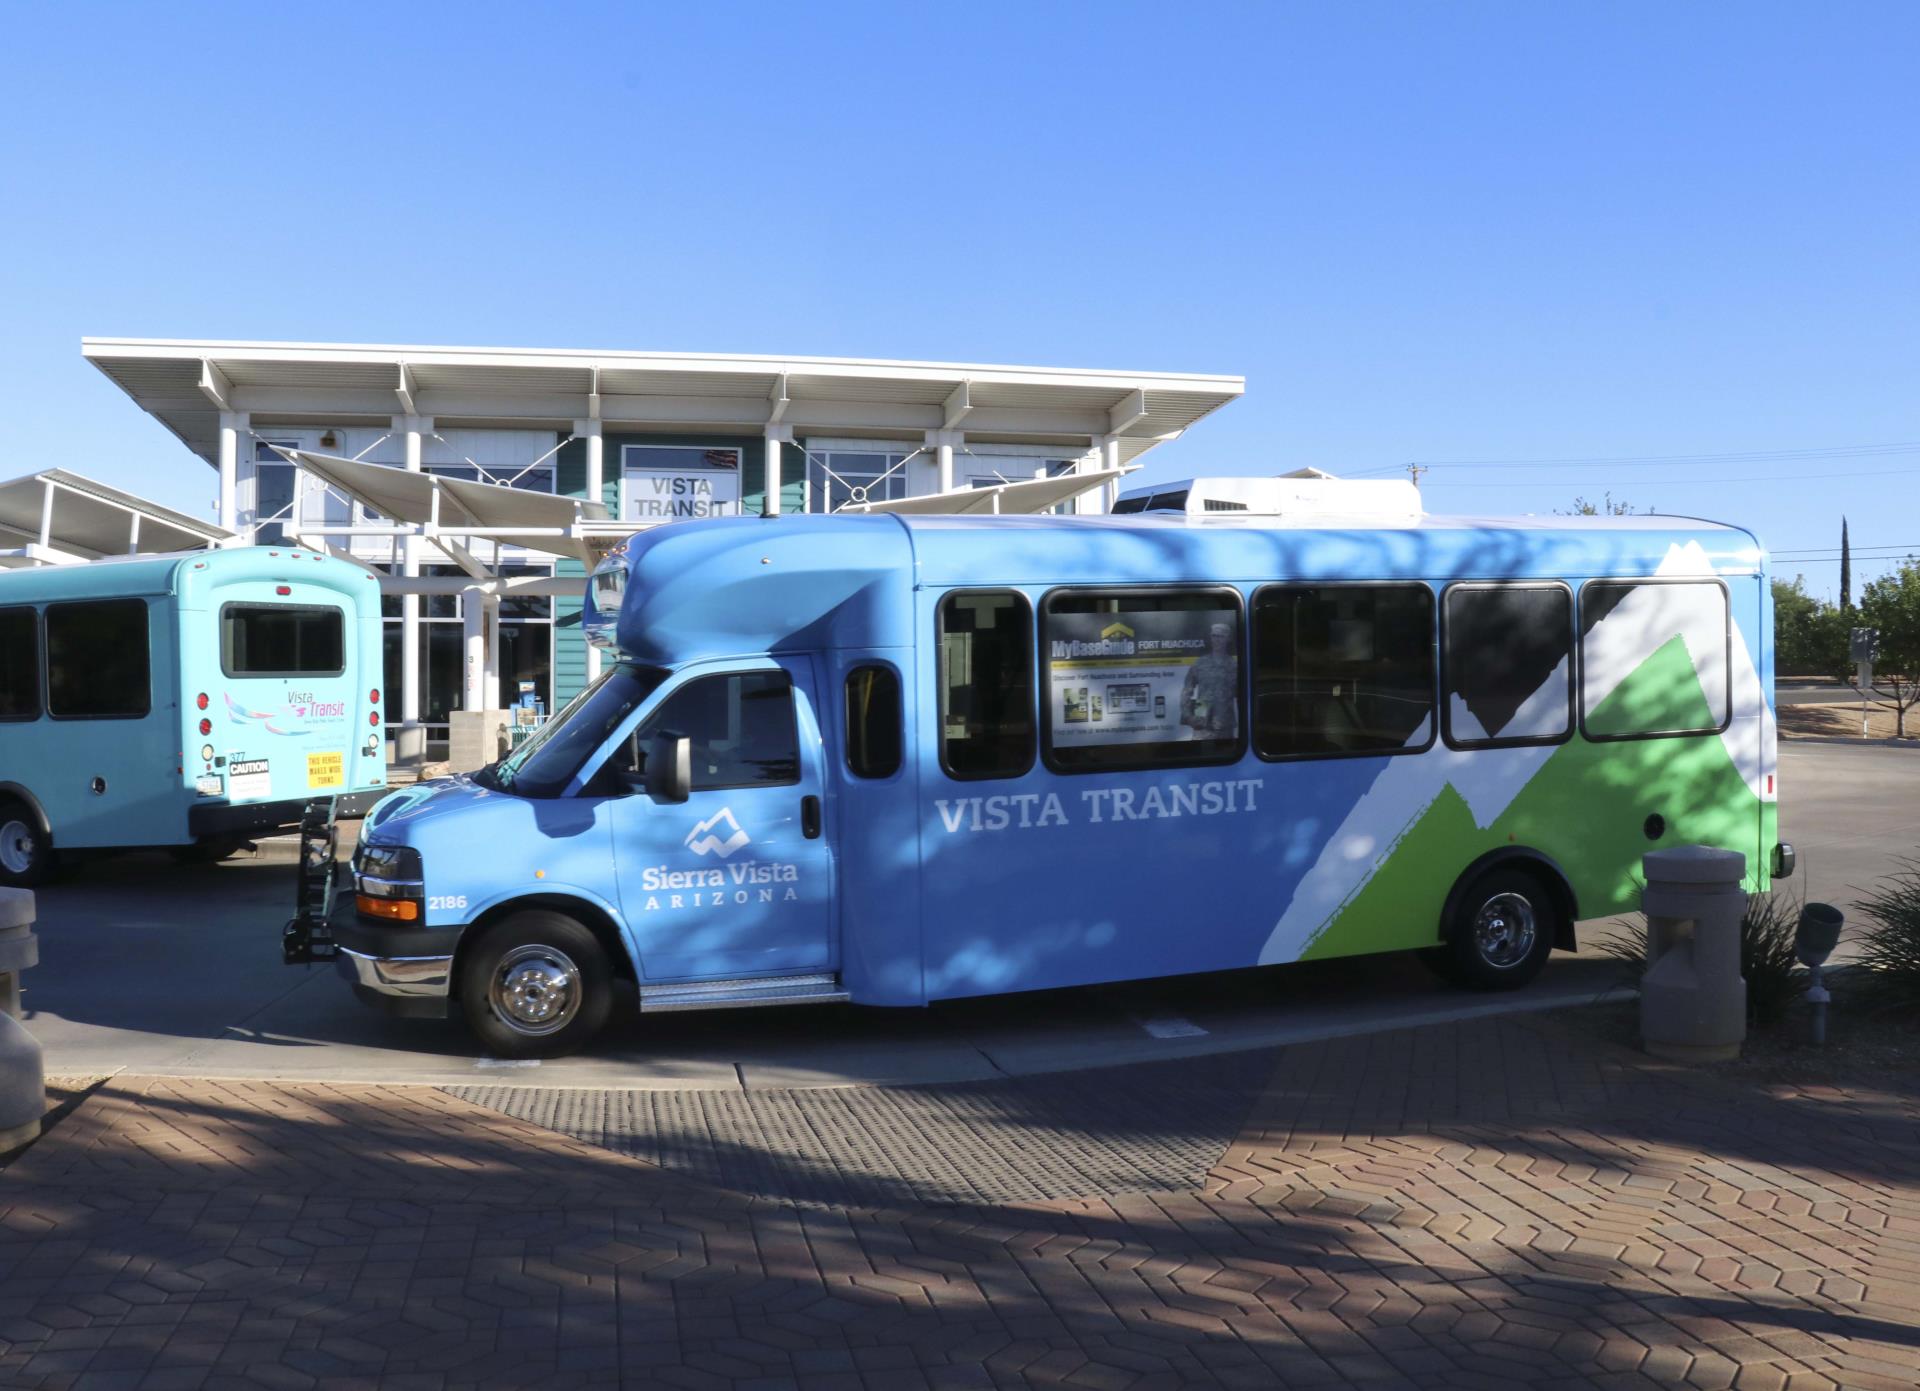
<point x="1502" y="930"/>
<point x="536" y="985"/>
<point x="26" y="851"/>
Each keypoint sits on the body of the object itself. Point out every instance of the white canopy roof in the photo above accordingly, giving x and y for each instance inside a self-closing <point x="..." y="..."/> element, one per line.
<point x="187" y="383"/>
<point x="55" y="516"/>
<point x="453" y="506"/>
<point x="1025" y="495"/>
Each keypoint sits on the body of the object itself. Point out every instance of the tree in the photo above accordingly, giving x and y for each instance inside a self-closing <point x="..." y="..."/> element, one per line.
<point x="1846" y="570"/>
<point x="1809" y="637"/>
<point x="1606" y="507"/>
<point x="1892" y="604"/>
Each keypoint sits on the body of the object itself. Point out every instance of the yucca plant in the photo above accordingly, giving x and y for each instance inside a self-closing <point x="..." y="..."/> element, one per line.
<point x="1888" y="945"/>
<point x="1774" y="975"/>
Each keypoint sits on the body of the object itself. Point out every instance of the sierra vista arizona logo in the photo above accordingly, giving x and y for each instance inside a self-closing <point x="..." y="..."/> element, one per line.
<point x="733" y="885"/>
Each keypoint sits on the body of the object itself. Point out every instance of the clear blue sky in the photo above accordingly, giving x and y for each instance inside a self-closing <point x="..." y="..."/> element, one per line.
<point x="1421" y="231"/>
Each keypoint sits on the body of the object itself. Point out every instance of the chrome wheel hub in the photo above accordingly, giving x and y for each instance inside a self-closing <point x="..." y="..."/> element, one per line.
<point x="536" y="990"/>
<point x="1505" y="930"/>
<point x="16" y="847"/>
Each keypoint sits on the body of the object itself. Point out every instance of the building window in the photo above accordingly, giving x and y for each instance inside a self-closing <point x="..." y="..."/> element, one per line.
<point x="873" y="722"/>
<point x="837" y="478"/>
<point x="1142" y="678"/>
<point x="19" y="664"/>
<point x="1653" y="659"/>
<point x="97" y="661"/>
<point x="535" y="479"/>
<point x="675" y="482"/>
<point x="1342" y="670"/>
<point x="1508" y="664"/>
<point x="275" y="484"/>
<point x="526" y="647"/>
<point x="281" y="640"/>
<point x="986" y="684"/>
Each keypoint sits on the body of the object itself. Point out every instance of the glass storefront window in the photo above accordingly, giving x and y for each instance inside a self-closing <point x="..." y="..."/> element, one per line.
<point x="837" y="477"/>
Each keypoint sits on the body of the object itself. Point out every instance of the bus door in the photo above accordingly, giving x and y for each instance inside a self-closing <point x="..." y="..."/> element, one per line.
<point x="738" y="880"/>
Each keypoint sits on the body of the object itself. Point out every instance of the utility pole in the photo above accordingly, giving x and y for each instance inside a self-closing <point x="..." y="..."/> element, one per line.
<point x="1414" y="471"/>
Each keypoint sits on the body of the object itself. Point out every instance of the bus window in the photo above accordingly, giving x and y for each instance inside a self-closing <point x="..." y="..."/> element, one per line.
<point x="1653" y="659"/>
<point x="873" y="722"/>
<point x="1342" y="670"/>
<point x="19" y="664"/>
<point x="1142" y="678"/>
<point x="97" y="662"/>
<point x="986" y="685"/>
<point x="1508" y="659"/>
<point x="281" y="640"/>
<point x="740" y="727"/>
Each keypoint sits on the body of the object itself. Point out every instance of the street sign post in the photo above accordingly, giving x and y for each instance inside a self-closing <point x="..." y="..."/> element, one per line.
<point x="1863" y="645"/>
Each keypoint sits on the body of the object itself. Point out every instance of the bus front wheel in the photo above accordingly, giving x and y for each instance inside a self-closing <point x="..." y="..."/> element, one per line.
<point x="1503" y="926"/>
<point x="537" y="985"/>
<point x="26" y="851"/>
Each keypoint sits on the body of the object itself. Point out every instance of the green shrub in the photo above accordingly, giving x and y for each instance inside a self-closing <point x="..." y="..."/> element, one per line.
<point x="1889" y="942"/>
<point x="1774" y="975"/>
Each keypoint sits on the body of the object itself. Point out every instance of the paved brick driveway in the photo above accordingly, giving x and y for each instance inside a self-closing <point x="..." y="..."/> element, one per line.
<point x="1488" y="1204"/>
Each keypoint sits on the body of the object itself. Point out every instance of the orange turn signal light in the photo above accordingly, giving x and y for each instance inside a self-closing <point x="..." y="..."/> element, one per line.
<point x="400" y="909"/>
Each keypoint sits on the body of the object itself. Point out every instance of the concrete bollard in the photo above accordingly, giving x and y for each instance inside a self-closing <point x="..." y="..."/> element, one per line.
<point x="23" y="1079"/>
<point x="1693" y="999"/>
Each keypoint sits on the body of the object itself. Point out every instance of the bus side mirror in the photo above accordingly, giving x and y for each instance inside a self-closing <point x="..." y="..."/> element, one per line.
<point x="670" y="768"/>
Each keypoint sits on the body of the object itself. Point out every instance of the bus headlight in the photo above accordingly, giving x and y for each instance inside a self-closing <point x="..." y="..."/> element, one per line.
<point x="388" y="883"/>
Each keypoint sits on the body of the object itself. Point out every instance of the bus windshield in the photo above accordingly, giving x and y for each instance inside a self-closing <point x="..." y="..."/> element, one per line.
<point x="544" y="765"/>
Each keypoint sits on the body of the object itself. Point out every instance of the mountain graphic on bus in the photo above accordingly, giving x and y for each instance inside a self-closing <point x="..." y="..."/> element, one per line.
<point x="1116" y="630"/>
<point x="703" y="839"/>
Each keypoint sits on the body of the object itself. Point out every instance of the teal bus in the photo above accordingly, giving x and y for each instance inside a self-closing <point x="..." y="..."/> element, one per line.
<point x="190" y="701"/>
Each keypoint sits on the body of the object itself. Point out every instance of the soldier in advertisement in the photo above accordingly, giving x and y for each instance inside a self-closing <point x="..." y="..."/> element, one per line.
<point x="1210" y="699"/>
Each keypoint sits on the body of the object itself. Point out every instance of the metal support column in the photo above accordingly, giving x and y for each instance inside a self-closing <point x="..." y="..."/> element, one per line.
<point x="412" y="429"/>
<point x="233" y="424"/>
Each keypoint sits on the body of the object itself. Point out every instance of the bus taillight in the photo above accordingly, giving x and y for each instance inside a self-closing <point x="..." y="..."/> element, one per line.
<point x="373" y="718"/>
<point x="201" y="700"/>
<point x="206" y="728"/>
<point x="373" y="696"/>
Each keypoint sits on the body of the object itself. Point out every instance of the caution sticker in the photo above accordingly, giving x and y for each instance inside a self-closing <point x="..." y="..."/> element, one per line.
<point x="328" y="769"/>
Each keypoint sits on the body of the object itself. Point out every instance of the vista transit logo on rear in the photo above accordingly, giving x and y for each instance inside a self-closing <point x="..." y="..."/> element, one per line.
<point x="302" y="711"/>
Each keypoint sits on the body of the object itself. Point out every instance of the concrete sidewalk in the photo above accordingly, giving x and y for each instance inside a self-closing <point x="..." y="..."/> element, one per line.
<point x="1497" y="1202"/>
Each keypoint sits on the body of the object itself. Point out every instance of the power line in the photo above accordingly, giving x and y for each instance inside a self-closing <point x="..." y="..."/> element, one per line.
<point x="1690" y="480"/>
<point x="1748" y="456"/>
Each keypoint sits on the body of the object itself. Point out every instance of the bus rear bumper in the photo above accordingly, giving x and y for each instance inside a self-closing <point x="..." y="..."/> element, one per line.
<point x="413" y="987"/>
<point x="227" y="818"/>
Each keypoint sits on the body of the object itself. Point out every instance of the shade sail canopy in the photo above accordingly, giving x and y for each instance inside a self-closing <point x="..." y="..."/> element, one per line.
<point x="483" y="511"/>
<point x="55" y="515"/>
<point x="1027" y="495"/>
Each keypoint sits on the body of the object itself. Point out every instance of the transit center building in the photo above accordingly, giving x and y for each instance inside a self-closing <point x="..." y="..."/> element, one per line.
<point x="483" y="483"/>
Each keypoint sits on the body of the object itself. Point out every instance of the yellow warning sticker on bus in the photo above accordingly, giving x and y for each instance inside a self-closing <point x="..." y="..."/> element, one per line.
<point x="327" y="769"/>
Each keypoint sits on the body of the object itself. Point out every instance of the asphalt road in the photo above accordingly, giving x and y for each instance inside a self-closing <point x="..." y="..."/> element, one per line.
<point x="151" y="968"/>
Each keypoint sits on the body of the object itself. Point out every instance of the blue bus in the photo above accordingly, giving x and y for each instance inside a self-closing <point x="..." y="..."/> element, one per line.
<point x="893" y="760"/>
<point x="188" y="701"/>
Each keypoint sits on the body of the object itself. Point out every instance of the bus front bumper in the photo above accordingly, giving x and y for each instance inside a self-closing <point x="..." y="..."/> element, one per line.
<point x="228" y="818"/>
<point x="403" y="971"/>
